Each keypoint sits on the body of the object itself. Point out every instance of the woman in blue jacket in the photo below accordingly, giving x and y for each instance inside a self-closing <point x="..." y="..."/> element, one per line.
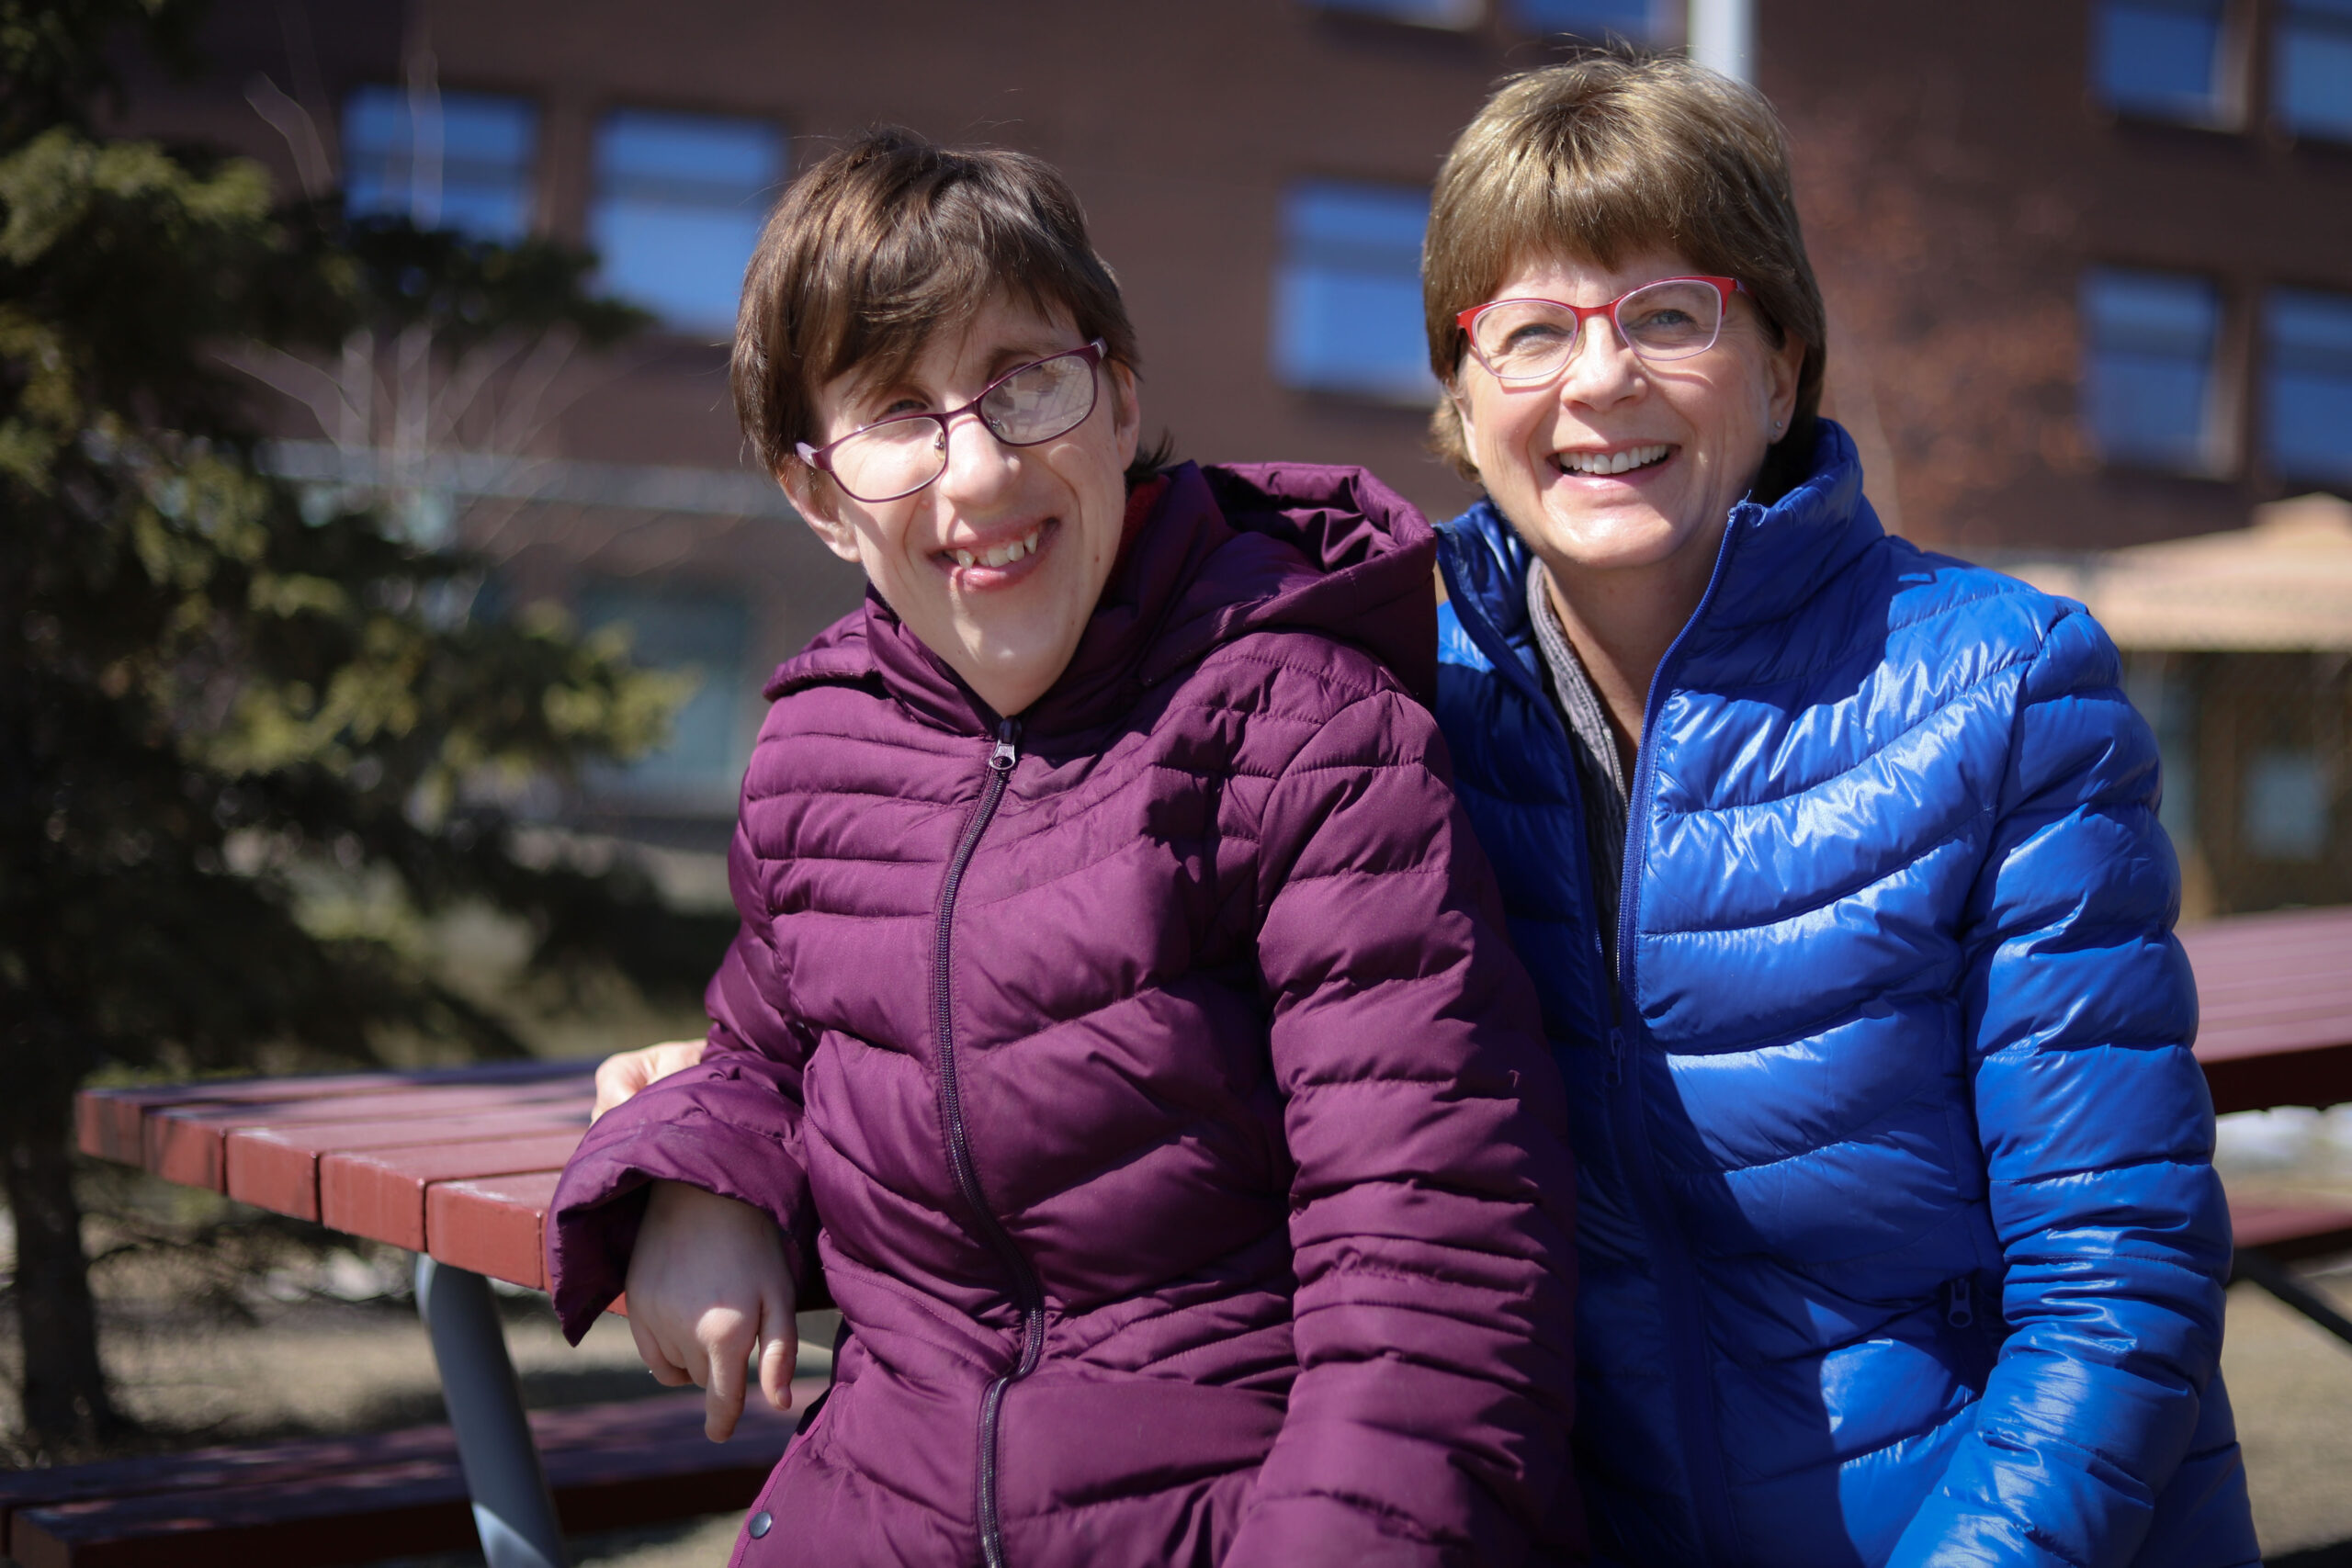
<point x="1838" y="865"/>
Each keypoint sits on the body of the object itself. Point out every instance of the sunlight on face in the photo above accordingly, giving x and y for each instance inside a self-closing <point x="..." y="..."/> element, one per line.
<point x="1619" y="464"/>
<point x="997" y="564"/>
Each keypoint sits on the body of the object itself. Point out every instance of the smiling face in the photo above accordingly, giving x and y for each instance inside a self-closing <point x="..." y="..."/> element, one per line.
<point x="1618" y="465"/>
<point x="997" y="564"/>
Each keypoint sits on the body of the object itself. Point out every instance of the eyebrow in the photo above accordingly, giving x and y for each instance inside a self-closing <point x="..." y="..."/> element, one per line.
<point x="866" y="398"/>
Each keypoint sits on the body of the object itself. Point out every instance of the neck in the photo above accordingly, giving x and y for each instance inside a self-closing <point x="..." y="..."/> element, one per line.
<point x="1620" y="622"/>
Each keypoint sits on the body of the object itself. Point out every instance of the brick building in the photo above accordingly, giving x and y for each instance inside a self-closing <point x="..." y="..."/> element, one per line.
<point x="2090" y="263"/>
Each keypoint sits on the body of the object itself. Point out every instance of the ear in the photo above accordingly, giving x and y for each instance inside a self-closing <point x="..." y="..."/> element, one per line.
<point x="1126" y="412"/>
<point x="1783" y="372"/>
<point x="1454" y="395"/>
<point x="814" y="499"/>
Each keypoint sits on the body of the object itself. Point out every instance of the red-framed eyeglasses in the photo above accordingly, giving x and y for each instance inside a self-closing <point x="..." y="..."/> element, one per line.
<point x="1531" y="340"/>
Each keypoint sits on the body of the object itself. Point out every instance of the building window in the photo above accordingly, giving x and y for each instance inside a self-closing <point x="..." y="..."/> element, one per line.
<point x="2307" y="384"/>
<point x="464" y="163"/>
<point x="1593" y="19"/>
<point x="1347" y="302"/>
<point x="2148" y="381"/>
<point x="680" y="199"/>
<point x="706" y="637"/>
<point x="1453" y="14"/>
<point x="2164" y="57"/>
<point x="2286" y="805"/>
<point x="2312" y="95"/>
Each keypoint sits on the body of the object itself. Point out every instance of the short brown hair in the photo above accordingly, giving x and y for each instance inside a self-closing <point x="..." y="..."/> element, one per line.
<point x="1611" y="152"/>
<point x="883" y="242"/>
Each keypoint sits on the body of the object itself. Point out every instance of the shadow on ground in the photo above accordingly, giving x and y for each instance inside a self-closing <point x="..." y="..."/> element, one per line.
<point x="2336" y="1556"/>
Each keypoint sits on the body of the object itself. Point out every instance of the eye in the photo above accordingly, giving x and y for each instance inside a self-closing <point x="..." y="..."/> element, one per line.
<point x="1664" y="318"/>
<point x="1533" y="334"/>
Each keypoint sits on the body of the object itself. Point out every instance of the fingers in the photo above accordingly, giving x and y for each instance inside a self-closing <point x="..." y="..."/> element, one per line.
<point x="777" y="1349"/>
<point x="665" y="1369"/>
<point x="617" y="1078"/>
<point x="621" y="1076"/>
<point x="728" y="1346"/>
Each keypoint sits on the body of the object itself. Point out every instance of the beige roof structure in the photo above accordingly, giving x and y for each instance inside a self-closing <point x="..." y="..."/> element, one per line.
<point x="2284" y="583"/>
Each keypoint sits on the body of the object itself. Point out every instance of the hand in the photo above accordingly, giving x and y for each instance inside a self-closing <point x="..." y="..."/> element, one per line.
<point x="707" y="1284"/>
<point x="623" y="1074"/>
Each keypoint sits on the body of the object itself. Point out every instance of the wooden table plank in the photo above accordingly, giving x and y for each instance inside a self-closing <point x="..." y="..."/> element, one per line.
<point x="185" y="1143"/>
<point x="277" y="1167"/>
<point x="381" y="1193"/>
<point x="2291" y="1230"/>
<point x="109" y="1123"/>
<point x="495" y="1226"/>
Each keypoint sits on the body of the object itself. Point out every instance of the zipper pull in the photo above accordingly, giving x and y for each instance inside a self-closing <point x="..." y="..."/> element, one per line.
<point x="1008" y="746"/>
<point x="1959" y="1310"/>
<point x="1616" y="1055"/>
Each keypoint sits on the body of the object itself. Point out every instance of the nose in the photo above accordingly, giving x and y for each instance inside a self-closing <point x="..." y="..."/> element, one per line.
<point x="1602" y="368"/>
<point x="979" y="466"/>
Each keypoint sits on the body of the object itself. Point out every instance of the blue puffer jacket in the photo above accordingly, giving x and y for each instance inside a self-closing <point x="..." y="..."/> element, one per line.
<point x="1899" y="1236"/>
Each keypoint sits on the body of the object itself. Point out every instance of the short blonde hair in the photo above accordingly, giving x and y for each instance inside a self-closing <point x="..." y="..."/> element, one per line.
<point x="1611" y="152"/>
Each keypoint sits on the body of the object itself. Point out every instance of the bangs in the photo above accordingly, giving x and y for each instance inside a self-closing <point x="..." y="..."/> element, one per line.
<point x="887" y="242"/>
<point x="1603" y="158"/>
<point x="878" y="300"/>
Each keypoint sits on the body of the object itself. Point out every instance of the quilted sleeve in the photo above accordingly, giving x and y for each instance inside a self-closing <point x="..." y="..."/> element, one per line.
<point x="2097" y="1135"/>
<point x="1431" y="1205"/>
<point x="730" y="1126"/>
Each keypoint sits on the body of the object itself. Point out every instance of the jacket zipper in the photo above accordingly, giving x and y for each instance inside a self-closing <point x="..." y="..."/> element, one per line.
<point x="1027" y="1293"/>
<point x="1679" y="1291"/>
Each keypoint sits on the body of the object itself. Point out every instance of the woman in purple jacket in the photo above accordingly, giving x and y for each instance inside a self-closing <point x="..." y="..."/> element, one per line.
<point x="1121" y="1031"/>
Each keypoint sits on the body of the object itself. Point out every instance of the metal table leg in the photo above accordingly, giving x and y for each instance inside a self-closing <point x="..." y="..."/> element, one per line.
<point x="513" y="1510"/>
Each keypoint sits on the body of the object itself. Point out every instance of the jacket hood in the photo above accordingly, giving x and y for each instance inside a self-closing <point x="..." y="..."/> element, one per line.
<point x="1223" y="551"/>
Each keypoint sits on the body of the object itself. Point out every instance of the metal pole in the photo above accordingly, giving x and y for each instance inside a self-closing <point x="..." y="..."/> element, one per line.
<point x="1723" y="36"/>
<point x="512" y="1511"/>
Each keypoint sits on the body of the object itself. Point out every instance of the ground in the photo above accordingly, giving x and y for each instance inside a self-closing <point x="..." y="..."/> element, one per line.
<point x="284" y="1341"/>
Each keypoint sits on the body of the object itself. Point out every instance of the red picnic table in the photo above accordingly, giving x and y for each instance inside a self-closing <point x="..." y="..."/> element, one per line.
<point x="459" y="1166"/>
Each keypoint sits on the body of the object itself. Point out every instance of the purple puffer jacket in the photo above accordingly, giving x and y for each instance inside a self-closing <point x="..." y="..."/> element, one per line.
<point x="1148" y="1081"/>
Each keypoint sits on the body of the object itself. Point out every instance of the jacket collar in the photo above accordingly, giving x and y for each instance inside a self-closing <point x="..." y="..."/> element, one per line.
<point x="1773" y="559"/>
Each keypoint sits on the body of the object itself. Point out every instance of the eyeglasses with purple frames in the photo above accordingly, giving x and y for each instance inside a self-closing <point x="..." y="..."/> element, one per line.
<point x="1026" y="406"/>
<point x="1531" y="340"/>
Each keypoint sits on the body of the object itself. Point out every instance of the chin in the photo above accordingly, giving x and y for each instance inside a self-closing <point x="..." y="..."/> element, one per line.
<point x="1620" y="540"/>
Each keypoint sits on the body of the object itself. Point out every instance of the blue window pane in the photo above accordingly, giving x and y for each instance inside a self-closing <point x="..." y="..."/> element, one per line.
<point x="479" y="183"/>
<point x="680" y="199"/>
<point x="707" y="636"/>
<point x="1420" y="13"/>
<point x="2307" y="384"/>
<point x="1347" y="303"/>
<point x="2160" y="57"/>
<point x="2148" y="366"/>
<point x="2314" y="68"/>
<point x="1584" y="19"/>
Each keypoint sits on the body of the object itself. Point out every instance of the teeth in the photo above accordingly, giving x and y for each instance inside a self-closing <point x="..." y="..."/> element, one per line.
<point x="1002" y="555"/>
<point x="1610" y="462"/>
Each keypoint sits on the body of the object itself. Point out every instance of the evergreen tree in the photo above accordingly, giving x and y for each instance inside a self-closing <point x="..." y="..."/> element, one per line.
<point x="216" y="691"/>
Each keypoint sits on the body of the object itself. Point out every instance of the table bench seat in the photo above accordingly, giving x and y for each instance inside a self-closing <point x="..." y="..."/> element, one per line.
<point x="318" y="1502"/>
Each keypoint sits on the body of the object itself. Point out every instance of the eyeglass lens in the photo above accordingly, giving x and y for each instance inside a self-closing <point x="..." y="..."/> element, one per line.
<point x="1034" y="403"/>
<point x="1526" y="340"/>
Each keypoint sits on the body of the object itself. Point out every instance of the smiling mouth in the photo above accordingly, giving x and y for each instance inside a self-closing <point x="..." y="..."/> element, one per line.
<point x="1000" y="556"/>
<point x="1602" y="465"/>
